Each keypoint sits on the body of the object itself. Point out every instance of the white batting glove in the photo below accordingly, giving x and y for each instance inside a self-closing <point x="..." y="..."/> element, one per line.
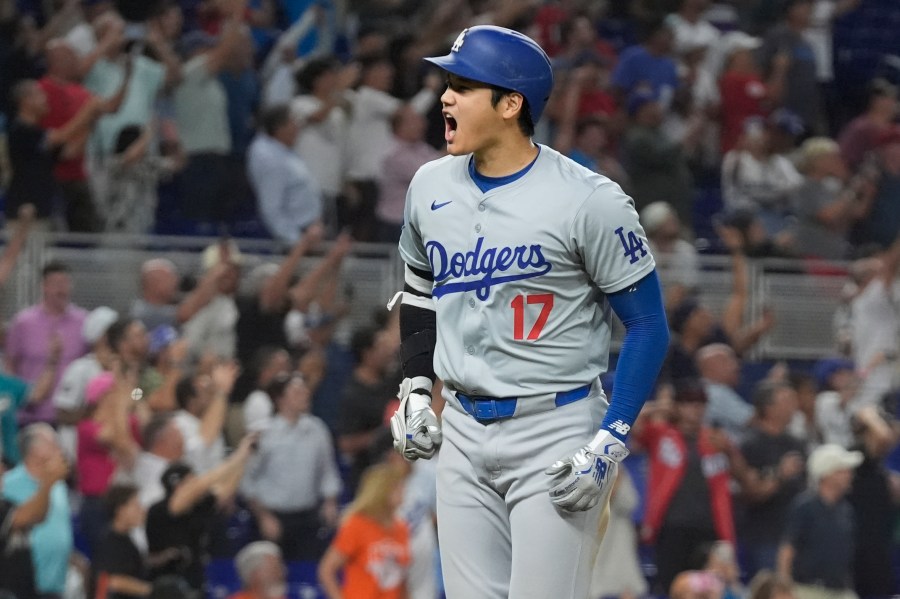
<point x="414" y="426"/>
<point x="587" y="478"/>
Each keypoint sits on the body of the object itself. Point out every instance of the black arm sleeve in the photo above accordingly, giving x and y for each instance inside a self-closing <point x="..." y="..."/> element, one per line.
<point x="418" y="335"/>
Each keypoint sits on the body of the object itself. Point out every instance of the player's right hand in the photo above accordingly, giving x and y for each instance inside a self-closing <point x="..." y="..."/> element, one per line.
<point x="414" y="426"/>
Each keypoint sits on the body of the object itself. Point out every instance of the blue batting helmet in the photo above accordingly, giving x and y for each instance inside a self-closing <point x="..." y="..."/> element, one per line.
<point x="504" y="58"/>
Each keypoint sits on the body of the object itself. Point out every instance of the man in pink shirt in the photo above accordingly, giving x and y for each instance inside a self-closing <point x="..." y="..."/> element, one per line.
<point x="44" y="335"/>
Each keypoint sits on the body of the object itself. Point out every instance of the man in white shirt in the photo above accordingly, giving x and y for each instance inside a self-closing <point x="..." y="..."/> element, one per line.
<point x="203" y="404"/>
<point x="163" y="445"/>
<point x="211" y="330"/>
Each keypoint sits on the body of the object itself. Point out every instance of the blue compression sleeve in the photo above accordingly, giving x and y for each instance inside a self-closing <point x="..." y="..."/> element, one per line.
<point x="646" y="343"/>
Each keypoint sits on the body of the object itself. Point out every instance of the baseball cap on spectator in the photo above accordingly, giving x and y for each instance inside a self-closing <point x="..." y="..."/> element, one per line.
<point x="738" y="40"/>
<point x="195" y="41"/>
<point x="639" y="99"/>
<point x="654" y="215"/>
<point x="173" y="475"/>
<point x="213" y="254"/>
<point x="161" y="337"/>
<point x="99" y="386"/>
<point x="830" y="458"/>
<point x="786" y="121"/>
<point x="827" y="367"/>
<point x="97" y="322"/>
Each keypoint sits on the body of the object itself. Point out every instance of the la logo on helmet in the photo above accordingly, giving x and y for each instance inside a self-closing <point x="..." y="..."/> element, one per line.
<point x="459" y="41"/>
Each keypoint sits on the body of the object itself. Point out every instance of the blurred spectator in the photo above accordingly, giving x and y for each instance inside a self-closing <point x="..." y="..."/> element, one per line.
<point x="366" y="395"/>
<point x="372" y="544"/>
<point x="127" y="338"/>
<point x="689" y="501"/>
<point x="756" y="177"/>
<point x="258" y="407"/>
<point x="828" y="202"/>
<point x="835" y="403"/>
<point x="127" y="199"/>
<point x="19" y="234"/>
<point x="242" y="89"/>
<point x="743" y="91"/>
<point x="802" y="94"/>
<point x="768" y="585"/>
<point x="581" y="45"/>
<point x="16" y="394"/>
<point x="34" y="150"/>
<point x="860" y="136"/>
<point x="873" y="504"/>
<point x="875" y="323"/>
<point x="817" y="547"/>
<point x="273" y="291"/>
<point x="46" y="335"/>
<point x="203" y="404"/>
<point x="69" y="399"/>
<point x="722" y="562"/>
<point x="201" y="113"/>
<point x="157" y="304"/>
<point x="107" y="435"/>
<point x="369" y="136"/>
<point x="690" y="27"/>
<point x="140" y="78"/>
<point x="407" y="153"/>
<point x="322" y="110"/>
<point x="179" y="526"/>
<point x="172" y="587"/>
<point x="288" y="198"/>
<point x="262" y="572"/>
<point x="656" y="166"/>
<point x="211" y="329"/>
<point x="65" y="98"/>
<point x="617" y="572"/>
<point x="294" y="511"/>
<point x="17" y="573"/>
<point x="278" y="68"/>
<point x="163" y="445"/>
<point x="696" y="584"/>
<point x="676" y="258"/>
<point x="120" y="569"/>
<point x="648" y="68"/>
<point x="720" y="369"/>
<point x="168" y="363"/>
<point x="775" y="461"/>
<point x="881" y="223"/>
<point x="52" y="539"/>
<point x="591" y="149"/>
<point x="804" y="426"/>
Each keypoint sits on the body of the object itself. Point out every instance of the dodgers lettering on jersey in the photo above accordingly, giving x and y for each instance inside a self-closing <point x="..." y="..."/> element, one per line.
<point x="520" y="272"/>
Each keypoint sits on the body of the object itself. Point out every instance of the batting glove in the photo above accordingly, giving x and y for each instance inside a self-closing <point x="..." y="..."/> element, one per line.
<point x="586" y="479"/>
<point x="415" y="428"/>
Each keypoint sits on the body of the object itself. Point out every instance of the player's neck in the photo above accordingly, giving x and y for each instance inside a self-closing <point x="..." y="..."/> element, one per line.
<point x="506" y="157"/>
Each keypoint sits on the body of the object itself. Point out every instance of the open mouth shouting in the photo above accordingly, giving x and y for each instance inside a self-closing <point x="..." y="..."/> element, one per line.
<point x="449" y="127"/>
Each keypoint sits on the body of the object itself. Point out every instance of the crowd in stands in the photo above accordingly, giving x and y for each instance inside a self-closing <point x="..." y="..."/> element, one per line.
<point x="227" y="419"/>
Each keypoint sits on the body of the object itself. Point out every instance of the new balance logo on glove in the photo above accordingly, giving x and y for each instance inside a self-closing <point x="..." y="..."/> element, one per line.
<point x="620" y="427"/>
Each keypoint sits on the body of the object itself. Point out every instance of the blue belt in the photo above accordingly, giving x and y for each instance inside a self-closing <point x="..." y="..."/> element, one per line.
<point x="490" y="409"/>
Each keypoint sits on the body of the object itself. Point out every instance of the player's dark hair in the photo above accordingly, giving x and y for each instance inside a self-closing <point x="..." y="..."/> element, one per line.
<point x="274" y="118"/>
<point x="526" y="124"/>
<point x="307" y="76"/>
<point x="116" y="496"/>
<point x="53" y="267"/>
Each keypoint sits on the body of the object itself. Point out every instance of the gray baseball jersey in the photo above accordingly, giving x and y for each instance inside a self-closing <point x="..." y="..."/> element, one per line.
<point x="520" y="272"/>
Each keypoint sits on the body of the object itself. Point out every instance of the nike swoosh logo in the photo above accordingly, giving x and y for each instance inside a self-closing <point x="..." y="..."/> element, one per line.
<point x="435" y="205"/>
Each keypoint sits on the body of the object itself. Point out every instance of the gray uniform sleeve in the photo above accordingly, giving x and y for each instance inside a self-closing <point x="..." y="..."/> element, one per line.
<point x="610" y="239"/>
<point x="412" y="248"/>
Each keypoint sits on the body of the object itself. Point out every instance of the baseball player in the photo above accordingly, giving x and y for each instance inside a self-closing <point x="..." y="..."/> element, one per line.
<point x="515" y="256"/>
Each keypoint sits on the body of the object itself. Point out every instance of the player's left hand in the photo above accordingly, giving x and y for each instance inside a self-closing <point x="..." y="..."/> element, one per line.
<point x="414" y="426"/>
<point x="586" y="479"/>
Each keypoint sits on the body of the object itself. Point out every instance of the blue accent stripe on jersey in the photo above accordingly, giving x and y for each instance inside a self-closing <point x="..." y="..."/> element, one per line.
<point x="485" y="184"/>
<point x="643" y="350"/>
